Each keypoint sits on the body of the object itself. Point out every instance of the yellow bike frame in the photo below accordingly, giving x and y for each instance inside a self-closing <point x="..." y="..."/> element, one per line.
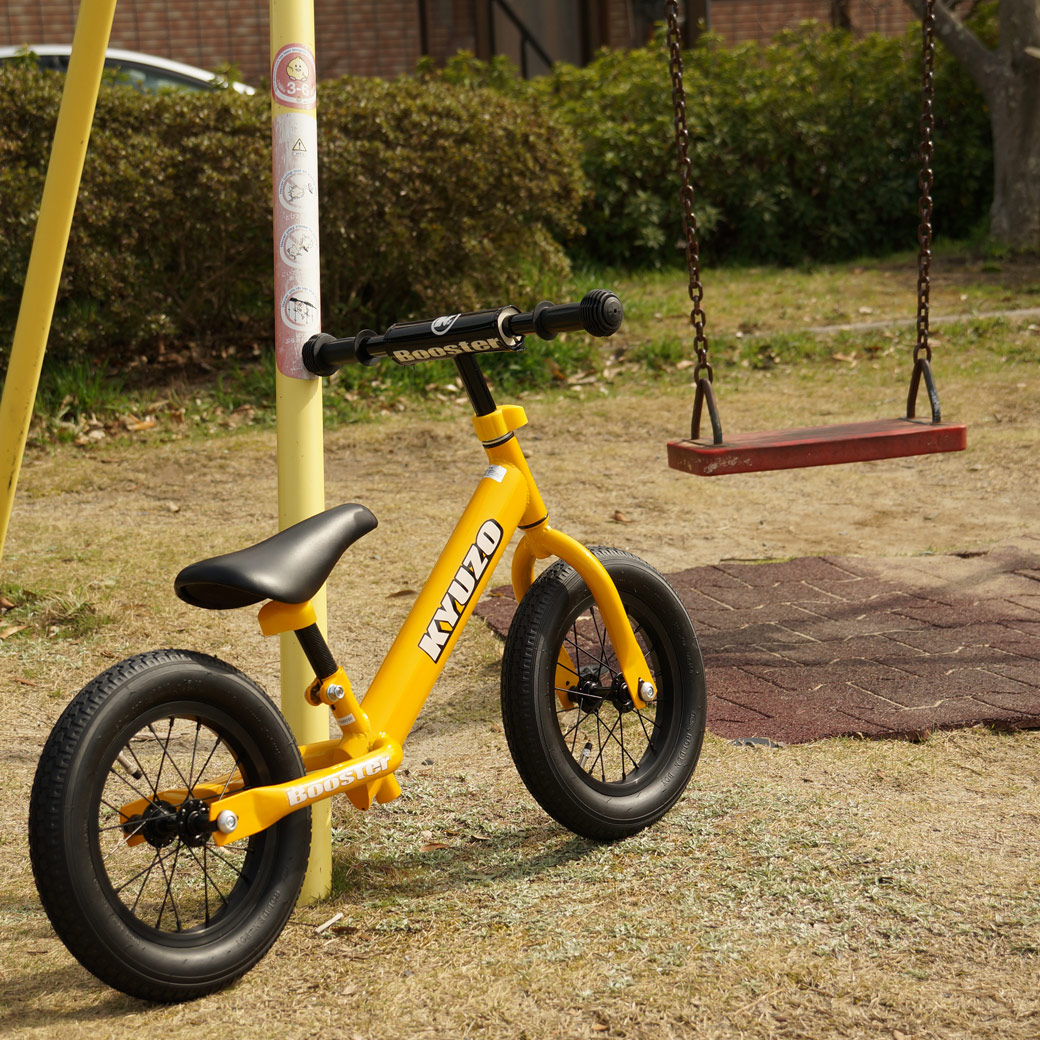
<point x="362" y="762"/>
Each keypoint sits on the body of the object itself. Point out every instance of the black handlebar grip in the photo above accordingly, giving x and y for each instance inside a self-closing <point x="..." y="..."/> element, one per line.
<point x="324" y="354"/>
<point x="313" y="355"/>
<point x="601" y="312"/>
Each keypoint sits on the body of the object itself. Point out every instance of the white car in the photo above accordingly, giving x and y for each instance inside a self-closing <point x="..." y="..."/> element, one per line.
<point x="142" y="71"/>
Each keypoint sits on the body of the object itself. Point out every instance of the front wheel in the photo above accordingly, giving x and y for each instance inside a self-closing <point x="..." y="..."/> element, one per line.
<point x="119" y="835"/>
<point x="593" y="761"/>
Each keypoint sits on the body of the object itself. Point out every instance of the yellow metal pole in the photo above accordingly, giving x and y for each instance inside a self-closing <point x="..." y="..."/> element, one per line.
<point x="301" y="475"/>
<point x="93" y="27"/>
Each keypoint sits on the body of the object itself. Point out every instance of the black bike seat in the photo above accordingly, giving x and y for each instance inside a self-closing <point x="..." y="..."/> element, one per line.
<point x="288" y="567"/>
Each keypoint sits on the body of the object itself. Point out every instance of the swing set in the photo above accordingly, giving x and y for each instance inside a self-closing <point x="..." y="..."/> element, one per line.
<point x="814" y="445"/>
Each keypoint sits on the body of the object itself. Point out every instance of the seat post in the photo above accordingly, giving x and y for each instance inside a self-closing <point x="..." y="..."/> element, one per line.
<point x="317" y="651"/>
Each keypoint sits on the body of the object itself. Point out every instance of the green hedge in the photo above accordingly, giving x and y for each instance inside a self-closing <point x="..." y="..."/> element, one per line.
<point x="435" y="195"/>
<point x="467" y="186"/>
<point x="433" y="198"/>
<point x="802" y="149"/>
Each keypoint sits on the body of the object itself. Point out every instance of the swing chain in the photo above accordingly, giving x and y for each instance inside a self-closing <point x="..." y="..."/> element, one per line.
<point x="925" y="180"/>
<point x="689" y="220"/>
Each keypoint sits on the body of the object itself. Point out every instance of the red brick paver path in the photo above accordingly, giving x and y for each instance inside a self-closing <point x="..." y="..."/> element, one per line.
<point x="838" y="645"/>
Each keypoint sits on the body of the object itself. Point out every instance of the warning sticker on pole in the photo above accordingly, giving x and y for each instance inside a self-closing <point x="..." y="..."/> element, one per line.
<point x="296" y="268"/>
<point x="294" y="78"/>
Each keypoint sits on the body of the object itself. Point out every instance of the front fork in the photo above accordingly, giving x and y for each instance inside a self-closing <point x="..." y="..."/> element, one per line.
<point x="541" y="541"/>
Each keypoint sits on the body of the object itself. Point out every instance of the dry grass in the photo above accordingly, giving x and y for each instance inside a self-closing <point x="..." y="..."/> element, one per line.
<point x="836" y="890"/>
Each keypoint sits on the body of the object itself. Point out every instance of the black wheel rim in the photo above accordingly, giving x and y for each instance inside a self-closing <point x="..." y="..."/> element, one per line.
<point x="162" y="871"/>
<point x="610" y="743"/>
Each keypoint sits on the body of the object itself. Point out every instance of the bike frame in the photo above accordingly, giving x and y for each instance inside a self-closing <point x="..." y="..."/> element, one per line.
<point x="361" y="763"/>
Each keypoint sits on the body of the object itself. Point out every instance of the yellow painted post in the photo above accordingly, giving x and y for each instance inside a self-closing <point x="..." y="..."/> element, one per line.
<point x="301" y="474"/>
<point x="93" y="27"/>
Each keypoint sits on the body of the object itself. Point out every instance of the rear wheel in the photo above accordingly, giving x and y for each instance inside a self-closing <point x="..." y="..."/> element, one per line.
<point x="594" y="762"/>
<point x="119" y="835"/>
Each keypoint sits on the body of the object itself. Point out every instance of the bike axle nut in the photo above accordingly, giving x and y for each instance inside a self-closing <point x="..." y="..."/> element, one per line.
<point x="334" y="693"/>
<point x="647" y="691"/>
<point x="227" y="821"/>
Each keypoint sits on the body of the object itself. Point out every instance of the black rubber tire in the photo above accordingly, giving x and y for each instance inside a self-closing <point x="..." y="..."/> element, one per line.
<point x="637" y="763"/>
<point x="175" y="916"/>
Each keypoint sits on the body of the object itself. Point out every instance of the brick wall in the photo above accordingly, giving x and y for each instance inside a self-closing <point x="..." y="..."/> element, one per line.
<point x="740" y="20"/>
<point x="363" y="37"/>
<point x="378" y="37"/>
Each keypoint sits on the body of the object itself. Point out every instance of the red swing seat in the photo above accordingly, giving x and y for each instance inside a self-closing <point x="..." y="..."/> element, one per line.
<point x="816" y="446"/>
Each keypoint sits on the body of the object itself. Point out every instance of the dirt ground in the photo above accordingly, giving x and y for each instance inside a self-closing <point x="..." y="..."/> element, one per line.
<point x="112" y="525"/>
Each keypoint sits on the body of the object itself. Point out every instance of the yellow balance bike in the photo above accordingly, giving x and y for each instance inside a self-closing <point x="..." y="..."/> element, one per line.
<point x="169" y="823"/>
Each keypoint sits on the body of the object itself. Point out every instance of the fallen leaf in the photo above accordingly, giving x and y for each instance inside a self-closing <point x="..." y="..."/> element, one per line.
<point x="401" y="592"/>
<point x="5" y="603"/>
<point x="10" y="630"/>
<point x="433" y="846"/>
<point x="620" y="517"/>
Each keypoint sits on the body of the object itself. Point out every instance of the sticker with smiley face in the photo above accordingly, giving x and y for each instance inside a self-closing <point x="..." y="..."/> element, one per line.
<point x="293" y="77"/>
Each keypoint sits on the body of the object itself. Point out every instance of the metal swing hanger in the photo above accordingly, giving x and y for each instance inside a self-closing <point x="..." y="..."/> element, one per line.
<point x="815" y="445"/>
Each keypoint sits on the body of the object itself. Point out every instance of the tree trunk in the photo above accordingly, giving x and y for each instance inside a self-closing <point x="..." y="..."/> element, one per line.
<point x="1009" y="78"/>
<point x="1015" y="119"/>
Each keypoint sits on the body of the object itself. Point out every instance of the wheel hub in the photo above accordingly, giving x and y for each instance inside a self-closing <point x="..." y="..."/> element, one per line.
<point x="590" y="695"/>
<point x="160" y="824"/>
<point x="193" y="822"/>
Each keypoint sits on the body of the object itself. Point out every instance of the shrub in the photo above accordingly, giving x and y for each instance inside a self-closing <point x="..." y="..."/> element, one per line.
<point x="446" y="197"/>
<point x="805" y="148"/>
<point x="171" y="238"/>
<point x="438" y="195"/>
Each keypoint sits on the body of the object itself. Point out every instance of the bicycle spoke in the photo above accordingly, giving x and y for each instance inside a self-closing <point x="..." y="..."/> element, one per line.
<point x="208" y="880"/>
<point x="144" y="875"/>
<point x="121" y="826"/>
<point x="143" y="871"/>
<point x="169" y="896"/>
<point x="194" y="750"/>
<point x="123" y="779"/>
<point x="220" y="854"/>
<point x="649" y="736"/>
<point x="168" y="757"/>
<point x="620" y="741"/>
<point x="217" y="745"/>
<point x="601" y="744"/>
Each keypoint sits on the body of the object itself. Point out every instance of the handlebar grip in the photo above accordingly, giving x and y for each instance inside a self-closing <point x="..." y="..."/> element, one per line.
<point x="324" y="354"/>
<point x="599" y="313"/>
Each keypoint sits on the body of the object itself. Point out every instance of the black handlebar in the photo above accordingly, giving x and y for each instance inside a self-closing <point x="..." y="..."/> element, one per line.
<point x="599" y="313"/>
